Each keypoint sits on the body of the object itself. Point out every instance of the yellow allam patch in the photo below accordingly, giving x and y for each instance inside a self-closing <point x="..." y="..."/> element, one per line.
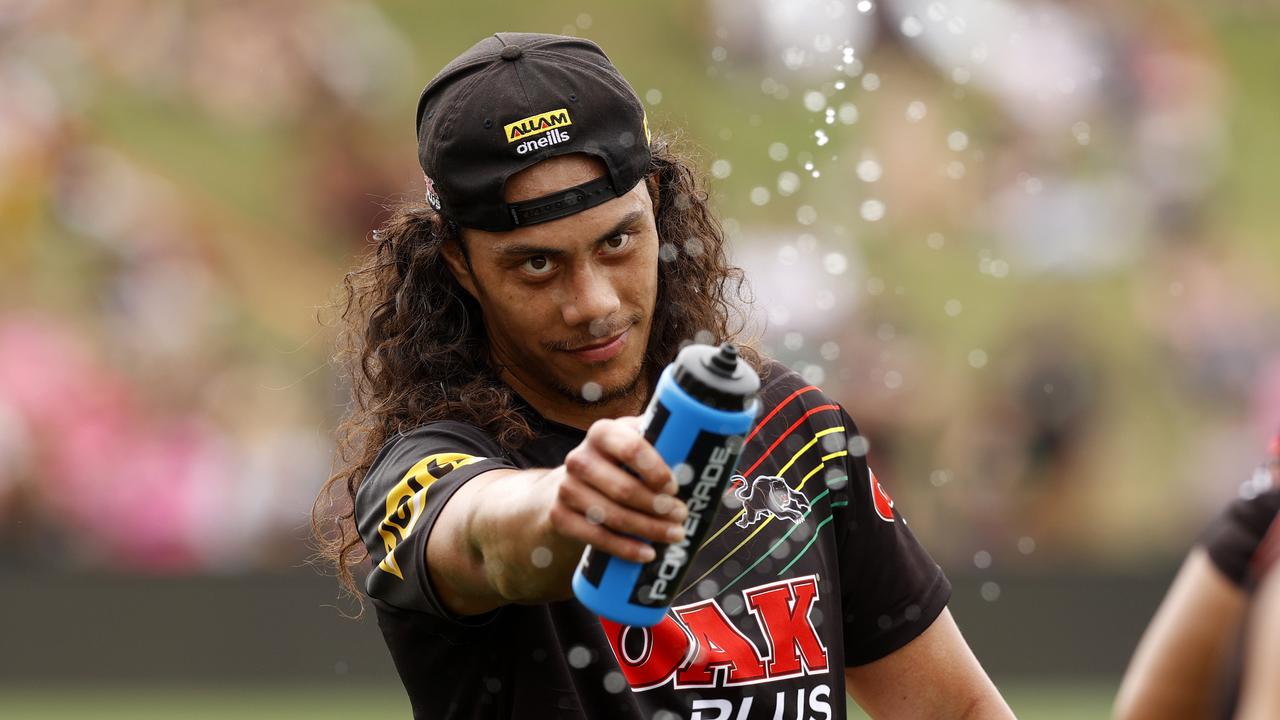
<point x="408" y="497"/>
<point x="534" y="124"/>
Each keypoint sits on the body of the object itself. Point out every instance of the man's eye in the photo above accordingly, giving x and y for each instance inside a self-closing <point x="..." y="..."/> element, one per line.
<point x="617" y="242"/>
<point x="537" y="265"/>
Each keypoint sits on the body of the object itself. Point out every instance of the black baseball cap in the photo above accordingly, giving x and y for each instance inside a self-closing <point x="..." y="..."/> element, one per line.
<point x="513" y="100"/>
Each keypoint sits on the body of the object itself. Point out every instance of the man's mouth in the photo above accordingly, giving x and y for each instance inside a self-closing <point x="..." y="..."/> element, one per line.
<point x="603" y="350"/>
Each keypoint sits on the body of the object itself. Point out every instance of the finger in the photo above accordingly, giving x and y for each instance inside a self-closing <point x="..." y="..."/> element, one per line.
<point x="599" y="509"/>
<point x="606" y="477"/>
<point x="627" y="446"/>
<point x="575" y="526"/>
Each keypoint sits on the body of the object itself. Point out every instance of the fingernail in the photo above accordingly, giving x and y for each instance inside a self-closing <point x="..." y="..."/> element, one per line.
<point x="663" y="504"/>
<point x="679" y="512"/>
<point x="675" y="533"/>
<point x="647" y="554"/>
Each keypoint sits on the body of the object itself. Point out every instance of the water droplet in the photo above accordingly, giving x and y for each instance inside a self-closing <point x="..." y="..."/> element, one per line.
<point x="868" y="170"/>
<point x="977" y="359"/>
<point x="653" y="96"/>
<point x="982" y="559"/>
<point x="721" y="168"/>
<point x="793" y="341"/>
<point x="1081" y="132"/>
<point x="935" y="240"/>
<point x="836" y="479"/>
<point x="708" y="589"/>
<point x="829" y="351"/>
<point x="814" y="101"/>
<point x="579" y="656"/>
<point x="892" y="379"/>
<point x="821" y="137"/>
<point x="683" y="473"/>
<point x="782" y="550"/>
<point x="806" y="215"/>
<point x="759" y="196"/>
<point x="938" y="478"/>
<point x="732" y="605"/>
<point x="871" y="82"/>
<point x="341" y="667"/>
<point x="493" y="684"/>
<point x="916" y="110"/>
<point x="859" y="446"/>
<point x="865" y="6"/>
<point x="912" y="613"/>
<point x="839" y="84"/>
<point x="787" y="254"/>
<point x="1026" y="545"/>
<point x="848" y="113"/>
<point x="778" y="151"/>
<point x="886" y="332"/>
<point x="875" y="286"/>
<point x="911" y="26"/>
<point x="541" y="557"/>
<point x="667" y="252"/>
<point x="825" y="300"/>
<point x="614" y="682"/>
<point x="952" y="307"/>
<point x="960" y="76"/>
<point x="957" y="140"/>
<point x="788" y="182"/>
<point x="719" y="54"/>
<point x="835" y="263"/>
<point x="813" y="374"/>
<point x="595" y="514"/>
<point x="591" y="391"/>
<point x="990" y="591"/>
<point x="955" y="170"/>
<point x="872" y="210"/>
<point x="956" y="25"/>
<point x="937" y="11"/>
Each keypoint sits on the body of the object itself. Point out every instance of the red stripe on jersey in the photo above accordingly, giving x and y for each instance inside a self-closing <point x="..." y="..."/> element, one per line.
<point x="784" y="435"/>
<point x="777" y="408"/>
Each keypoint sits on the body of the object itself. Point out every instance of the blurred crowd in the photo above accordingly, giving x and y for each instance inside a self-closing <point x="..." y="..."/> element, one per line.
<point x="997" y="246"/>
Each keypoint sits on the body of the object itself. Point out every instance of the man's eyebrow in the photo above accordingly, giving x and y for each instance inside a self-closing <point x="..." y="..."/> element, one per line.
<point x="522" y="249"/>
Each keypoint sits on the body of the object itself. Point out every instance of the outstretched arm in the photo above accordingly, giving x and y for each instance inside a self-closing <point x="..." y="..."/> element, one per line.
<point x="1174" y="671"/>
<point x="933" y="676"/>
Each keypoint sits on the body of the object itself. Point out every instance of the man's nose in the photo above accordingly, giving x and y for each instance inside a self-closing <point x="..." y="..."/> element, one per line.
<point x="591" y="298"/>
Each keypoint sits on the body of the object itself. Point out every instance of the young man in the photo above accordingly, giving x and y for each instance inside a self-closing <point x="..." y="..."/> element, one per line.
<point x="502" y="340"/>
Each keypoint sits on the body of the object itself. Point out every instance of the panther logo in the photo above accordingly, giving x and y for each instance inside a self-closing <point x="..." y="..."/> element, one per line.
<point x="769" y="496"/>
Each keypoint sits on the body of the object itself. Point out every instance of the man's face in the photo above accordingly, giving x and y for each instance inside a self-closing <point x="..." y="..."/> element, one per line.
<point x="569" y="301"/>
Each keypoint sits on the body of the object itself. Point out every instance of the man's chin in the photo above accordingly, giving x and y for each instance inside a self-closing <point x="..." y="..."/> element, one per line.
<point x="600" y="388"/>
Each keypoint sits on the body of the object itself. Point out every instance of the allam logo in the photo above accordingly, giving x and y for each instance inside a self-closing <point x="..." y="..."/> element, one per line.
<point x="534" y="124"/>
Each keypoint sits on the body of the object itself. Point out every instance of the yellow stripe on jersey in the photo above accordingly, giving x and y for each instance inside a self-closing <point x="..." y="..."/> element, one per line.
<point x="408" y="497"/>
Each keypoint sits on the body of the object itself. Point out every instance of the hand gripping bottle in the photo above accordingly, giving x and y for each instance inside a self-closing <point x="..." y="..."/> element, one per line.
<point x="703" y="406"/>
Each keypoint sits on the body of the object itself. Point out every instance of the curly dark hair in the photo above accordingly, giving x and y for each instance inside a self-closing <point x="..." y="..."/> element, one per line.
<point x="412" y="344"/>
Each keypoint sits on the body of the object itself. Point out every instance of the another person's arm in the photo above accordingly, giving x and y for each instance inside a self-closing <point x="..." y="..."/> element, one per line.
<point x="1260" y="693"/>
<point x="1175" y="669"/>
<point x="933" y="676"/>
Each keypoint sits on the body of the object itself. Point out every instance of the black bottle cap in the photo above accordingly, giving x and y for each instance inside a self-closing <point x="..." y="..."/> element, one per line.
<point x="717" y="377"/>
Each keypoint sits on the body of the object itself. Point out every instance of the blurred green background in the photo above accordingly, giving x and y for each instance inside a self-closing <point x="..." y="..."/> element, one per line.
<point x="1028" y="245"/>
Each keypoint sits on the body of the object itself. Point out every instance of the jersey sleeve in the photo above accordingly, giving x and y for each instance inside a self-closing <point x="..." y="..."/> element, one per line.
<point x="402" y="495"/>
<point x="891" y="589"/>
<point x="1232" y="538"/>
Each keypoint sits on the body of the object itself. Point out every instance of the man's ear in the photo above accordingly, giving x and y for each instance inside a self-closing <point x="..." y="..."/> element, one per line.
<point x="651" y="183"/>
<point x="455" y="256"/>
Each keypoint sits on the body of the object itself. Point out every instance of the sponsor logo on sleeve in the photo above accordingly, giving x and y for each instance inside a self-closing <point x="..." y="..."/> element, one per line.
<point x="408" y="497"/>
<point x="880" y="498"/>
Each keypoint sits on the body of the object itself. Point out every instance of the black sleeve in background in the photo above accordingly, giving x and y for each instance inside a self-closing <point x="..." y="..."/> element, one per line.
<point x="400" y="499"/>
<point x="891" y="588"/>
<point x="1233" y="536"/>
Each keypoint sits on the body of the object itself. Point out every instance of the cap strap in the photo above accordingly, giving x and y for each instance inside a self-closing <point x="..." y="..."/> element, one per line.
<point x="561" y="203"/>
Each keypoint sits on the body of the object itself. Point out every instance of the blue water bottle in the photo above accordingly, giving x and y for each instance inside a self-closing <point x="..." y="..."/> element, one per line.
<point x="703" y="406"/>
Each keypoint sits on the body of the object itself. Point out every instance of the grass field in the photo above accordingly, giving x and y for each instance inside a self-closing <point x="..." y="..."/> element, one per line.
<point x="1030" y="702"/>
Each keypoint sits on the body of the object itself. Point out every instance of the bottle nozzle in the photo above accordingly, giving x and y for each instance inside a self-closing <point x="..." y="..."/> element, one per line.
<point x="725" y="362"/>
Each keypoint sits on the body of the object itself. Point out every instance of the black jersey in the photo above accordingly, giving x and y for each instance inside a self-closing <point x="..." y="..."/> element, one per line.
<point x="781" y="597"/>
